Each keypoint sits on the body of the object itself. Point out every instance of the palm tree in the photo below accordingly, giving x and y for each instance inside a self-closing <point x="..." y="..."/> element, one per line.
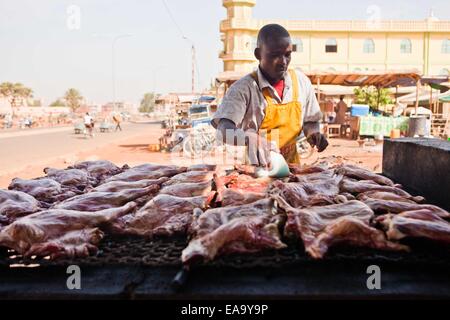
<point x="73" y="98"/>
<point x="15" y="91"/>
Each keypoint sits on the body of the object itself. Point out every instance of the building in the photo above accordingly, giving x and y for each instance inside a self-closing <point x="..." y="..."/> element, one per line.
<point x="385" y="45"/>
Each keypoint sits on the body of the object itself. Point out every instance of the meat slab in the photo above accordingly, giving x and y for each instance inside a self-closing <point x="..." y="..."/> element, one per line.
<point x="164" y="215"/>
<point x="237" y="229"/>
<point x="422" y="223"/>
<point x="308" y="193"/>
<point x="322" y="227"/>
<point x="15" y="204"/>
<point x="147" y="171"/>
<point x="95" y="201"/>
<point x="59" y="232"/>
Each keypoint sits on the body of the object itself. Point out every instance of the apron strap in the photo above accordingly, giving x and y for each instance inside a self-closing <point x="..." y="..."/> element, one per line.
<point x="295" y="89"/>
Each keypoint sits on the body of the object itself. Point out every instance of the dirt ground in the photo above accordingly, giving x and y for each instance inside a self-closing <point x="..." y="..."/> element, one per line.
<point x="135" y="151"/>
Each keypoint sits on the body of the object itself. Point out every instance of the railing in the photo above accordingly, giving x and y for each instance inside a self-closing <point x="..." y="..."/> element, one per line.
<point x="341" y="25"/>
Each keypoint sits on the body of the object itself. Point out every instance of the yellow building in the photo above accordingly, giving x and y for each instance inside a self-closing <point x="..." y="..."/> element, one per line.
<point x="386" y="45"/>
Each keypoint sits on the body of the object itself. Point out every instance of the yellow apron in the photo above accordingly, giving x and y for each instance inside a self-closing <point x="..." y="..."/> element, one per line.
<point x="282" y="122"/>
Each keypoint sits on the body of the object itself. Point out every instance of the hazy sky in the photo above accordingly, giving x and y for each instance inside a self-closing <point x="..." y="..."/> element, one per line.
<point x="43" y="46"/>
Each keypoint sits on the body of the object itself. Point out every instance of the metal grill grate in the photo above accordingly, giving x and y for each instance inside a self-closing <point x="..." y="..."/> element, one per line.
<point x="167" y="252"/>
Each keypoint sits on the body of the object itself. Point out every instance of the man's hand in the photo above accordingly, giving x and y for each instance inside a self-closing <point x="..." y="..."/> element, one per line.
<point x="317" y="139"/>
<point x="259" y="149"/>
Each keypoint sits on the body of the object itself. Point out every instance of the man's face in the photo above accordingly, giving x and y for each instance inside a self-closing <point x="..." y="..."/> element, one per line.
<point x="274" y="57"/>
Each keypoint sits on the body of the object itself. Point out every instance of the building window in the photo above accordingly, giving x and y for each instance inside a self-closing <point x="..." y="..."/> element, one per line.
<point x="357" y="70"/>
<point x="446" y="46"/>
<point x="405" y="46"/>
<point x="444" y="72"/>
<point x="331" y="45"/>
<point x="369" y="46"/>
<point x="297" y="45"/>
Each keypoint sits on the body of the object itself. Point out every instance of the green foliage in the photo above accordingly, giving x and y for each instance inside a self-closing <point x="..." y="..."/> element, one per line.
<point x="15" y="91"/>
<point x="73" y="99"/>
<point x="372" y="96"/>
<point x="57" y="103"/>
<point x="148" y="102"/>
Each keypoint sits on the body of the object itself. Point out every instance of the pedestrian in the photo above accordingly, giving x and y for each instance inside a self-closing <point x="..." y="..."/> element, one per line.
<point x="89" y="124"/>
<point x="117" y="120"/>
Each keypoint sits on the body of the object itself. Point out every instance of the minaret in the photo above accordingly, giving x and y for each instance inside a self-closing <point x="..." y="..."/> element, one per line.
<point x="238" y="31"/>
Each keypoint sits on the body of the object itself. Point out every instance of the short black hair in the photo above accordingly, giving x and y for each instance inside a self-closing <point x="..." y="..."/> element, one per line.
<point x="271" y="31"/>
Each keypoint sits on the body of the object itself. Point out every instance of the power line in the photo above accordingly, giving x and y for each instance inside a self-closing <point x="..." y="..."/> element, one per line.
<point x="173" y="19"/>
<point x="185" y="38"/>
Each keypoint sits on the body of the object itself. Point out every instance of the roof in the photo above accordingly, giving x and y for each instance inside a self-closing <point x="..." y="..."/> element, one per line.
<point x="364" y="78"/>
<point x="383" y="79"/>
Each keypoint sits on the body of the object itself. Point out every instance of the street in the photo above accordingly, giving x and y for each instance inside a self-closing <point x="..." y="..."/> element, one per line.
<point x="41" y="148"/>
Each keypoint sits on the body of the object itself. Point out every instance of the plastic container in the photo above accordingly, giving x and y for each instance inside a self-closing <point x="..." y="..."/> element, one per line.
<point x="395" y="133"/>
<point x="359" y="110"/>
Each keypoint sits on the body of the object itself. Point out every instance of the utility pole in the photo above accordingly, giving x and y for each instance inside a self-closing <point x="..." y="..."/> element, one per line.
<point x="193" y="68"/>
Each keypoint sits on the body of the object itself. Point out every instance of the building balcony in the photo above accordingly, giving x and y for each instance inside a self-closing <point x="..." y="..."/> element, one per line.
<point x="227" y="3"/>
<point x="242" y="56"/>
<point x="238" y="24"/>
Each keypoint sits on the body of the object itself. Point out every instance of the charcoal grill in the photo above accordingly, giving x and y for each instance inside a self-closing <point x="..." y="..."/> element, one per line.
<point x="133" y="267"/>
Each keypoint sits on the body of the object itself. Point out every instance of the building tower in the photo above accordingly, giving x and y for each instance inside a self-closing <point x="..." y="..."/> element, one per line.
<point x="238" y="35"/>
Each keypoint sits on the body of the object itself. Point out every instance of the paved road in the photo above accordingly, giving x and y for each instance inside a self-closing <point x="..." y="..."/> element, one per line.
<point x="23" y="150"/>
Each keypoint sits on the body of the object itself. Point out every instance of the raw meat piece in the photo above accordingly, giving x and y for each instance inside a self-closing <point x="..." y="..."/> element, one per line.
<point x="423" y="223"/>
<point x="45" y="190"/>
<point x="308" y="177"/>
<point x="95" y="201"/>
<point x="363" y="174"/>
<point x="236" y="197"/>
<point x="75" y="178"/>
<point x="115" y="186"/>
<point x="242" y="182"/>
<point x="237" y="229"/>
<point x="299" y="169"/>
<point x="100" y="169"/>
<point x="147" y="171"/>
<point x="355" y="187"/>
<point x="164" y="215"/>
<point x="323" y="227"/>
<point x="305" y="194"/>
<point x="59" y="232"/>
<point x="190" y="176"/>
<point x="383" y="195"/>
<point x="391" y="206"/>
<point x="202" y="167"/>
<point x="15" y="204"/>
<point x="188" y="189"/>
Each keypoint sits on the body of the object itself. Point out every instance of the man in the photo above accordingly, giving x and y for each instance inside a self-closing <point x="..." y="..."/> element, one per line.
<point x="116" y="119"/>
<point x="89" y="124"/>
<point x="341" y="109"/>
<point x="269" y="108"/>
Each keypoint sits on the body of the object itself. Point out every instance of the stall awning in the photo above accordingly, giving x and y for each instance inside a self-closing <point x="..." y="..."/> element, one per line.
<point x="367" y="78"/>
<point x="384" y="79"/>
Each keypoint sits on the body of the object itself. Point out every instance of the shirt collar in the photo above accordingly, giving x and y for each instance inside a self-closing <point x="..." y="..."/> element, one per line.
<point x="263" y="83"/>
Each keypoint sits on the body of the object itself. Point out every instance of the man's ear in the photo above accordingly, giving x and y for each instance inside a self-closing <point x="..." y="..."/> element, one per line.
<point x="257" y="53"/>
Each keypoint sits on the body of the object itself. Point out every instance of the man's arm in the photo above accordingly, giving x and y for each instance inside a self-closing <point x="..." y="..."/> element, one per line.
<point x="258" y="148"/>
<point x="312" y="116"/>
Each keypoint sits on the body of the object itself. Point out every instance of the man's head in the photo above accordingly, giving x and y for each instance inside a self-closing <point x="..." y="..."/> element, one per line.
<point x="341" y="98"/>
<point x="273" y="50"/>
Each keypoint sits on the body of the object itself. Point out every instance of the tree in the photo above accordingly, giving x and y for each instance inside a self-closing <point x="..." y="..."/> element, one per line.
<point x="58" y="103"/>
<point x="73" y="99"/>
<point x="372" y="96"/>
<point x="148" y="102"/>
<point x="15" y="92"/>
